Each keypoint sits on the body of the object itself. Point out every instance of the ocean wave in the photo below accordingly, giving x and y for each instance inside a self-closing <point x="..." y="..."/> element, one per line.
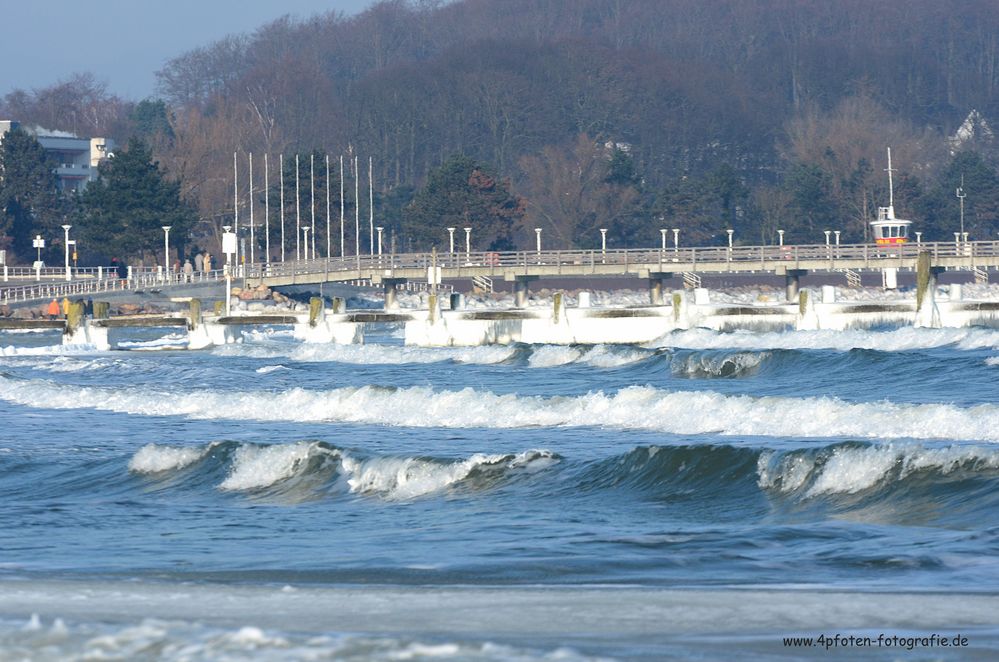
<point x="156" y="458"/>
<point x="702" y="364"/>
<point x="896" y="340"/>
<point x="636" y="407"/>
<point x="372" y="354"/>
<point x="253" y="467"/>
<point x="47" y="350"/>
<point x="849" y="469"/>
<point x="407" y="478"/>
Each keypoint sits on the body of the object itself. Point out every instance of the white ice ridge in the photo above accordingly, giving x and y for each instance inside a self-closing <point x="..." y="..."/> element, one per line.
<point x="635" y="407"/>
<point x="897" y="340"/>
<point x="850" y="469"/>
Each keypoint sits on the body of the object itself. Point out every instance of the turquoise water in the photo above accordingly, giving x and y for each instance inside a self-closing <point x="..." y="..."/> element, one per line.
<point x="704" y="496"/>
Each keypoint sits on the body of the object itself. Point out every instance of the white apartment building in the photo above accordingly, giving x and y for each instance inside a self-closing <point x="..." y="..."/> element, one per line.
<point x="76" y="158"/>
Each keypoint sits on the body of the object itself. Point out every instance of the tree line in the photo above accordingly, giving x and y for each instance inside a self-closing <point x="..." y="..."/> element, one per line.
<point x="577" y="115"/>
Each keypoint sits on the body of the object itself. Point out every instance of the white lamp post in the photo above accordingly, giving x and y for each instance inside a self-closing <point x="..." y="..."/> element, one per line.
<point x="827" y="233"/>
<point x="919" y="237"/>
<point x="379" y="229"/>
<point x="662" y="231"/>
<point x="537" y="234"/>
<point x="836" y="232"/>
<point x="957" y="244"/>
<point x="305" y="240"/>
<point x="229" y="248"/>
<point x="66" y="228"/>
<point x="468" y="244"/>
<point x="450" y="234"/>
<point x="676" y="240"/>
<point x="603" y="244"/>
<point x="166" y="250"/>
<point x="780" y="237"/>
<point x="730" y="233"/>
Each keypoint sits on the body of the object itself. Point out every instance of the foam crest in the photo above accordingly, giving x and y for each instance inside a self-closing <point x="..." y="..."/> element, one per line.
<point x="47" y="350"/>
<point x="550" y="356"/>
<point x="256" y="467"/>
<point x="896" y="340"/>
<point x="717" y="365"/>
<point x="603" y="356"/>
<point x="853" y="469"/>
<point x="992" y="360"/>
<point x="636" y="407"/>
<point x="371" y="354"/>
<point x="155" y="458"/>
<point x="270" y="368"/>
<point x="171" y="341"/>
<point x="408" y="478"/>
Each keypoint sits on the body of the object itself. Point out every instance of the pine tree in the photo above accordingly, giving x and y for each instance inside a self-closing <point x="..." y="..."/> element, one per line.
<point x="462" y="193"/>
<point x="125" y="209"/>
<point x="30" y="202"/>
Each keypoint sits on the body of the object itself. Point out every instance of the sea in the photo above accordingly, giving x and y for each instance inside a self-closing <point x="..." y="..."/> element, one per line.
<point x="764" y="495"/>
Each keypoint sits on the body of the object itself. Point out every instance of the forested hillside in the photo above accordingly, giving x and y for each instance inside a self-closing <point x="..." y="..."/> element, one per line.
<point x="631" y="115"/>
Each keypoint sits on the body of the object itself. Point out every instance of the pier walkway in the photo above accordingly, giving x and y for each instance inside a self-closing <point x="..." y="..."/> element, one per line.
<point x="522" y="267"/>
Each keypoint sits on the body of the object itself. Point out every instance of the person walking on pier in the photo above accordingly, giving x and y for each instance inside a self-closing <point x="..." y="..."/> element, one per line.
<point x="54" y="310"/>
<point x="199" y="262"/>
<point x="208" y="261"/>
<point x="188" y="271"/>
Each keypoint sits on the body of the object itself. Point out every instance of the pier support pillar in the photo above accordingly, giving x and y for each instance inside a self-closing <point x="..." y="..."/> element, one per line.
<point x="388" y="288"/>
<point x="521" y="288"/>
<point x="792" y="279"/>
<point x="927" y="313"/>
<point x="656" y="287"/>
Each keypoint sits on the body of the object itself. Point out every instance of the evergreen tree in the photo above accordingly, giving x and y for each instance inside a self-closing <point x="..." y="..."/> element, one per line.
<point x="940" y="208"/>
<point x="462" y="193"/>
<point x="30" y="202"/>
<point x="125" y="209"/>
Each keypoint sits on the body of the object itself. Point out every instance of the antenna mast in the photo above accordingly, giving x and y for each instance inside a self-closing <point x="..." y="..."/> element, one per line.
<point x="891" y="189"/>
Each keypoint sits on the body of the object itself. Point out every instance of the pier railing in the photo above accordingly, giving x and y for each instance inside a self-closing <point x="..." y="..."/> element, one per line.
<point x="142" y="278"/>
<point x="578" y="262"/>
<point x="465" y="264"/>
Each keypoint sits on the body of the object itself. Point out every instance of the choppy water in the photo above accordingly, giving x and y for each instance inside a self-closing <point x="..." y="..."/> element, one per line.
<point x="705" y="496"/>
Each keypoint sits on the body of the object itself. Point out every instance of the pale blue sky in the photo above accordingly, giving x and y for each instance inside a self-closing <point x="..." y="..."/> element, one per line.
<point x="124" y="42"/>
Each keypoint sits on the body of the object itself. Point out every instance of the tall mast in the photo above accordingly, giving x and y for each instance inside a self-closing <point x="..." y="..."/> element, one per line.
<point x="329" y="239"/>
<point x="267" y="212"/>
<point x="281" y="168"/>
<point x="298" y="214"/>
<point x="312" y="201"/>
<point x="251" y="208"/>
<point x="891" y="189"/>
<point x="357" y="208"/>
<point x="342" y="254"/>
<point x="235" y="199"/>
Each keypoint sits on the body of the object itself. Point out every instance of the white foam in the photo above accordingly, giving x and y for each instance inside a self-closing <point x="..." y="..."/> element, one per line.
<point x="154" y="458"/>
<point x="549" y="356"/>
<point x="255" y="467"/>
<point x="992" y="360"/>
<point x="636" y="407"/>
<point x="371" y="354"/>
<point x="171" y="341"/>
<point x="48" y="350"/>
<point x="717" y="365"/>
<point x="270" y="368"/>
<point x="897" y="340"/>
<point x="604" y="356"/>
<point x="408" y="478"/>
<point x="848" y="470"/>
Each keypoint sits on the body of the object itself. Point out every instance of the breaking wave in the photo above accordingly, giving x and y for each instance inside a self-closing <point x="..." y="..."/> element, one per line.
<point x="635" y="407"/>
<point x="896" y="340"/>
<point x="313" y="466"/>
<point x="715" y="364"/>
